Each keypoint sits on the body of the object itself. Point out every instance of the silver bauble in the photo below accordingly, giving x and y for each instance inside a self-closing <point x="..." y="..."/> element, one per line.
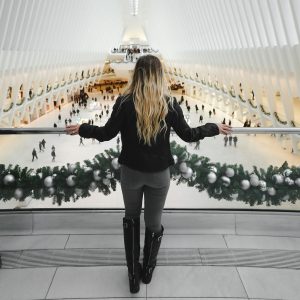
<point x="175" y="159"/>
<point x="297" y="181"/>
<point x="225" y="181"/>
<point x="96" y="175"/>
<point x="115" y="164"/>
<point x="254" y="180"/>
<point x="291" y="182"/>
<point x="51" y="190"/>
<point x="18" y="194"/>
<point x="278" y="178"/>
<point x="211" y="177"/>
<point x="71" y="180"/>
<point x="188" y="174"/>
<point x="286" y="197"/>
<point x="106" y="181"/>
<point x="198" y="163"/>
<point x="183" y="167"/>
<point x="213" y="169"/>
<point x="9" y="179"/>
<point x="48" y="181"/>
<point x="71" y="168"/>
<point x="78" y="192"/>
<point x="245" y="184"/>
<point x="271" y="191"/>
<point x="93" y="186"/>
<point x="262" y="185"/>
<point x="229" y="172"/>
<point x="287" y="172"/>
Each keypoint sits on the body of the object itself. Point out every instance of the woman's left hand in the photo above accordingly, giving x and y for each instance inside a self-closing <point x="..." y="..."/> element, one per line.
<point x="72" y="129"/>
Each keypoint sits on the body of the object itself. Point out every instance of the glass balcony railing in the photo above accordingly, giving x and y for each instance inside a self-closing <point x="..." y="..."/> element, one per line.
<point x="252" y="169"/>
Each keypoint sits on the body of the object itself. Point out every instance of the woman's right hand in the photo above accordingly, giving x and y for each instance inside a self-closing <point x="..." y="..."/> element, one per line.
<point x="224" y="129"/>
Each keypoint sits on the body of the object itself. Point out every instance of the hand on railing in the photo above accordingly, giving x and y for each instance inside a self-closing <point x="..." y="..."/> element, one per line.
<point x="224" y="129"/>
<point x="72" y="129"/>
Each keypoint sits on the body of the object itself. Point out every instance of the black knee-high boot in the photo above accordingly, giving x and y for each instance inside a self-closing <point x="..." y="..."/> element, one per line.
<point x="131" y="229"/>
<point x="151" y="248"/>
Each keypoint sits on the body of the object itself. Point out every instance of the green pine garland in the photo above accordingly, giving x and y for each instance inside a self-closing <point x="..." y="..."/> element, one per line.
<point x="31" y="182"/>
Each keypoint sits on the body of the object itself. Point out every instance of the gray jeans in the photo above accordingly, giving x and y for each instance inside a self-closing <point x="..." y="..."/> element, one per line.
<point x="153" y="186"/>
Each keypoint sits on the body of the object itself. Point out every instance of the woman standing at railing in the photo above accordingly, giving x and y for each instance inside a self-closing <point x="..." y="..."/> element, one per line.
<point x="144" y="116"/>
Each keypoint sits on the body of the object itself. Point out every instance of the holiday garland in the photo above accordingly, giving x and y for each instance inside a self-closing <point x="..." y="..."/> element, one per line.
<point x="221" y="181"/>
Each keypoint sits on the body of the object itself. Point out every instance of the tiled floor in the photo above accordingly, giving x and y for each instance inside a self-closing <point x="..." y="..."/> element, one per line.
<point x="202" y="266"/>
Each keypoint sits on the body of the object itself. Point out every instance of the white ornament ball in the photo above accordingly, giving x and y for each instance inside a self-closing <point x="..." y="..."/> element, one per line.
<point x="229" y="172"/>
<point x="211" y="177"/>
<point x="198" y="163"/>
<point x="8" y="179"/>
<point x="96" y="175"/>
<point x="254" y="180"/>
<point x="286" y="197"/>
<point x="71" y="168"/>
<point x="93" y="186"/>
<point x="278" y="178"/>
<point x="115" y="164"/>
<point x="271" y="191"/>
<point x="287" y="172"/>
<point x="51" y="190"/>
<point x="71" y="180"/>
<point x="183" y="167"/>
<point x="225" y="180"/>
<point x="297" y="181"/>
<point x="263" y="185"/>
<point x="78" y="192"/>
<point x="106" y="181"/>
<point x="245" y="184"/>
<point x="175" y="159"/>
<point x="213" y="169"/>
<point x="48" y="181"/>
<point x="188" y="174"/>
<point x="18" y="193"/>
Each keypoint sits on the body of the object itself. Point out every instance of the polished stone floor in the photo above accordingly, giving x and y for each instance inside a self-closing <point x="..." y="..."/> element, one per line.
<point x="204" y="255"/>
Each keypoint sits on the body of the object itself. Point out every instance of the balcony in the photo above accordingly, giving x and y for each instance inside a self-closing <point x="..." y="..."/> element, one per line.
<point x="228" y="235"/>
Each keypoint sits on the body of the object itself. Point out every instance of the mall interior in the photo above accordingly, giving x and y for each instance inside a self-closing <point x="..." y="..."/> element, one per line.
<point x="232" y="213"/>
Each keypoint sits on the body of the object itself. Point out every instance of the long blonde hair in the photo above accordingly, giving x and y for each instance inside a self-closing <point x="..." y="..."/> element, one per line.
<point x="149" y="90"/>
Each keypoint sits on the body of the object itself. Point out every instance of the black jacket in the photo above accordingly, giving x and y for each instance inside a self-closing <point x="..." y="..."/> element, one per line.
<point x="135" y="154"/>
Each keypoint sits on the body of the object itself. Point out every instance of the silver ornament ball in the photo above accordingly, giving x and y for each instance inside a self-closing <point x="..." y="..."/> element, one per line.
<point x="263" y="185"/>
<point x="278" y="178"/>
<point x="183" y="167"/>
<point x="254" y="180"/>
<point x="71" y="180"/>
<point x="271" y="191"/>
<point x="188" y="174"/>
<point x="71" y="168"/>
<point x="225" y="180"/>
<point x="48" y="181"/>
<point x="211" y="177"/>
<point x="297" y="181"/>
<point x="245" y="184"/>
<point x="96" y="175"/>
<point x="115" y="164"/>
<point x="18" y="194"/>
<point x="287" y="172"/>
<point x="229" y="172"/>
<point x="78" y="192"/>
<point x="51" y="190"/>
<point x="93" y="186"/>
<point x="8" y="179"/>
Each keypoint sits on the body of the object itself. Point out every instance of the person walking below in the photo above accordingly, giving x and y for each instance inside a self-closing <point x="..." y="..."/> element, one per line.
<point x="230" y="140"/>
<point x="81" y="142"/>
<point x="34" y="154"/>
<point x="225" y="140"/>
<point x="145" y="116"/>
<point x="235" y="139"/>
<point x="53" y="154"/>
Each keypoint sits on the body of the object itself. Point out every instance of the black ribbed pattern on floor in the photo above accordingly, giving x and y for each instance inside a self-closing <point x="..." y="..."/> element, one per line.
<point x="105" y="257"/>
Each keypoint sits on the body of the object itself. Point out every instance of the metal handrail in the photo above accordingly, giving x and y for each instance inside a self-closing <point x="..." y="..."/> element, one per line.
<point x="235" y="130"/>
